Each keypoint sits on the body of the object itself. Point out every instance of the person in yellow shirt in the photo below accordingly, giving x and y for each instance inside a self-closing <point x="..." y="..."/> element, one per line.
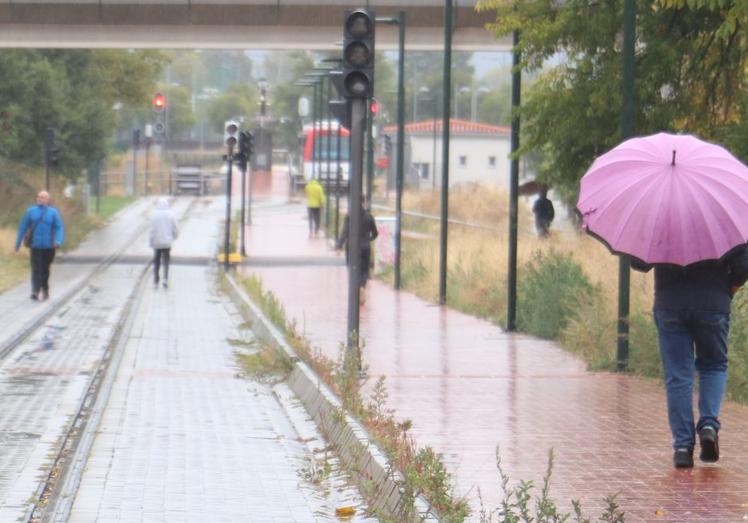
<point x="315" y="200"/>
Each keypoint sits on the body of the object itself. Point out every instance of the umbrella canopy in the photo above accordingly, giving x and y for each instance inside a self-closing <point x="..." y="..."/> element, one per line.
<point x="667" y="199"/>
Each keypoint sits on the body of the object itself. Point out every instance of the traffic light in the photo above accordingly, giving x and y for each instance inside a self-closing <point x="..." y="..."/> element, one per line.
<point x="374" y="107"/>
<point x="158" y="102"/>
<point x="358" y="54"/>
<point x="388" y="144"/>
<point x="51" y="150"/>
<point x="231" y="133"/>
<point x="246" y="149"/>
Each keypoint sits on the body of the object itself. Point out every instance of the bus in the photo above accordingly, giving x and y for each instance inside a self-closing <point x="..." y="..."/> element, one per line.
<point x="317" y="161"/>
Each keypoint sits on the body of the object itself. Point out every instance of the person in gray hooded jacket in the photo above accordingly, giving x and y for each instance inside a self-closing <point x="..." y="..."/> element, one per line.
<point x="163" y="234"/>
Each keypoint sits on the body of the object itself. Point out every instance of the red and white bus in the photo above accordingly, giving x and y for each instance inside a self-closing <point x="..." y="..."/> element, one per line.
<point x="319" y="155"/>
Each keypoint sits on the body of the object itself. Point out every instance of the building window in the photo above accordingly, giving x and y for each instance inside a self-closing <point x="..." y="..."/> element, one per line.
<point x="422" y="169"/>
<point x="491" y="162"/>
<point x="463" y="161"/>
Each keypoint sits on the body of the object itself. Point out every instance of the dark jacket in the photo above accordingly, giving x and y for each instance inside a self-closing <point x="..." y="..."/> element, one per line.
<point x="707" y="285"/>
<point x="543" y="209"/>
<point x="368" y="231"/>
<point x="47" y="226"/>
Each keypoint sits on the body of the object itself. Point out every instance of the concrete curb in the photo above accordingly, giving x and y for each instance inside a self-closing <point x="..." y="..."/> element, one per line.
<point x="353" y="445"/>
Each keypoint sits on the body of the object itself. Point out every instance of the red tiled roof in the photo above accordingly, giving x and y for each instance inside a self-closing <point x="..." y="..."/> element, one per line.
<point x="455" y="127"/>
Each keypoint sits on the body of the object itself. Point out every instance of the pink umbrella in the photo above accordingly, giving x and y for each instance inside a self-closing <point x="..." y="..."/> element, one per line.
<point x="667" y="199"/>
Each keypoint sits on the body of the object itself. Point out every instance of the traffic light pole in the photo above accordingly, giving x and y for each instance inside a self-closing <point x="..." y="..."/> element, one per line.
<point x="329" y="164"/>
<point x="337" y="183"/>
<point x="227" y="232"/>
<point x="358" y="113"/>
<point x="242" y="250"/>
<point x="369" y="155"/>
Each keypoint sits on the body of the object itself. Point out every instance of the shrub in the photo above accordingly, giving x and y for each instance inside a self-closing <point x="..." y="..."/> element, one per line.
<point x="551" y="290"/>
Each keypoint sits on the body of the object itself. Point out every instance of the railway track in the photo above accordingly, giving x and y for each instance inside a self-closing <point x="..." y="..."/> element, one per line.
<point x="68" y="355"/>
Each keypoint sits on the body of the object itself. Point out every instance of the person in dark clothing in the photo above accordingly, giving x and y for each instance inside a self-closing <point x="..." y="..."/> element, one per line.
<point x="544" y="213"/>
<point x="42" y="231"/>
<point x="368" y="233"/>
<point x="692" y="314"/>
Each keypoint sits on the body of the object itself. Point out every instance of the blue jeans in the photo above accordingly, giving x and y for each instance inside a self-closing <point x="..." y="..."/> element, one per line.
<point x="693" y="340"/>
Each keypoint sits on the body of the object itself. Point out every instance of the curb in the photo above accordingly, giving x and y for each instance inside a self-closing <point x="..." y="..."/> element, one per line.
<point x="354" y="447"/>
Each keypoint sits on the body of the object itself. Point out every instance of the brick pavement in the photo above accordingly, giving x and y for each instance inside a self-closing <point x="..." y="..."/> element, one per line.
<point x="468" y="387"/>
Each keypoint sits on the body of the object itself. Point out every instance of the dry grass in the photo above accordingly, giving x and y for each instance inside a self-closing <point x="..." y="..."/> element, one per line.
<point x="481" y="256"/>
<point x="478" y="268"/>
<point x="13" y="266"/>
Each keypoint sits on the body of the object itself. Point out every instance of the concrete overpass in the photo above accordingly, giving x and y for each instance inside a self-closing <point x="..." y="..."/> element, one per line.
<point x="245" y="24"/>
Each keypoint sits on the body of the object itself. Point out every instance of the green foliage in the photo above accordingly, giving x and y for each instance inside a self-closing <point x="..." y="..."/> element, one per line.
<point x="737" y="382"/>
<point x="73" y="91"/>
<point x="237" y="101"/>
<point x="550" y="290"/>
<point x="691" y="63"/>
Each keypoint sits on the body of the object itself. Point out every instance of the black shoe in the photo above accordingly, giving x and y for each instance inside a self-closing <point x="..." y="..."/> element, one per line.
<point x="34" y="297"/>
<point x="44" y="295"/>
<point x="166" y="284"/>
<point x="709" y="444"/>
<point x="683" y="458"/>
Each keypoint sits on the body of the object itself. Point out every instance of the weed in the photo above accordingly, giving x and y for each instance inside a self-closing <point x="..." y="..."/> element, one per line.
<point x="550" y="290"/>
<point x="516" y="503"/>
<point x="266" y="364"/>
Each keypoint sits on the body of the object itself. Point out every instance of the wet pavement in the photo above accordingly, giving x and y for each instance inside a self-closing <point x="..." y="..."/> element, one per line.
<point x="185" y="437"/>
<point x="469" y="388"/>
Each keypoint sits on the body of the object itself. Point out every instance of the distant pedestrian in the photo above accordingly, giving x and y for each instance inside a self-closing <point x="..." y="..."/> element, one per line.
<point x="692" y="314"/>
<point x="544" y="213"/>
<point x="367" y="233"/>
<point x="42" y="231"/>
<point x="163" y="233"/>
<point x="315" y="200"/>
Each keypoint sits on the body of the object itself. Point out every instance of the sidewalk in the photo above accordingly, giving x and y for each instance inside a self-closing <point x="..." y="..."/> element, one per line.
<point x="185" y="437"/>
<point x="468" y="387"/>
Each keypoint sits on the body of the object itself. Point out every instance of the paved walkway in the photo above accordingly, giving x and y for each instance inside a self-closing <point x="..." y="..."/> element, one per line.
<point x="184" y="437"/>
<point x="470" y="387"/>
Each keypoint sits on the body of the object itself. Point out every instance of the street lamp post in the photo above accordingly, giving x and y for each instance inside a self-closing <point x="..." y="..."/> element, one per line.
<point x="445" y="152"/>
<point x="400" y="169"/>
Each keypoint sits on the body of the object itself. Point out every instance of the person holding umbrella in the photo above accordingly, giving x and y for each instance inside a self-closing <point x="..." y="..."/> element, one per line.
<point x="680" y="205"/>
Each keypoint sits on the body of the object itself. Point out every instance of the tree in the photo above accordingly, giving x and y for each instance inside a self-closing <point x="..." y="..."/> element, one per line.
<point x="690" y="75"/>
<point x="73" y="91"/>
<point x="239" y="100"/>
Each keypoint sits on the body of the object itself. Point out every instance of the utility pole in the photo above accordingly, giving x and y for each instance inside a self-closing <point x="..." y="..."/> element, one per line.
<point x="511" y="321"/>
<point x="627" y="131"/>
<point x="445" y="152"/>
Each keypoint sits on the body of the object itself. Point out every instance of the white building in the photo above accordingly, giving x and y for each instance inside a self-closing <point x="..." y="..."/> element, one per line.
<point x="478" y="152"/>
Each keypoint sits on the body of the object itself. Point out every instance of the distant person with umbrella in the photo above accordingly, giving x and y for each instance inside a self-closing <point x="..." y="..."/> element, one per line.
<point x="680" y="205"/>
<point x="544" y="213"/>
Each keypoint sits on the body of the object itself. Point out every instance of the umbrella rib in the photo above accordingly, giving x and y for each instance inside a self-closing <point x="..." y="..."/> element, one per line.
<point x="644" y="178"/>
<point x="708" y="191"/>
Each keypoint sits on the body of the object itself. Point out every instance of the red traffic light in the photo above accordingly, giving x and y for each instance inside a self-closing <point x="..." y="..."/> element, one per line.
<point x="374" y="107"/>
<point x="158" y="102"/>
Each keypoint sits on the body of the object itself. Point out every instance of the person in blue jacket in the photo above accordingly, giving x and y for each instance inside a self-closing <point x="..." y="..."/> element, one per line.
<point x="42" y="231"/>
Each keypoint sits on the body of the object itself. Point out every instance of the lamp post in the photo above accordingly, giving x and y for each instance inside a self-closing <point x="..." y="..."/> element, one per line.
<point x="400" y="174"/>
<point x="627" y="130"/>
<point x="446" y="111"/>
